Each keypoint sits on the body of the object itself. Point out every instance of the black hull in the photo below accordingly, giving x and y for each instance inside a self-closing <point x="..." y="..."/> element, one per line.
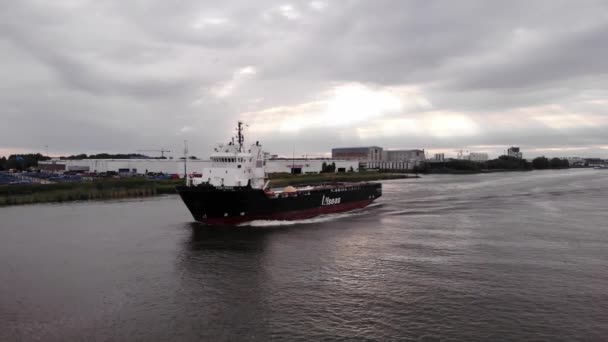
<point x="229" y="206"/>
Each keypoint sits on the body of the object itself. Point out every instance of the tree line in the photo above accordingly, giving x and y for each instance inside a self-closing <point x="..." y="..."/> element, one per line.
<point x="21" y="162"/>
<point x="501" y="163"/>
<point x="328" y="168"/>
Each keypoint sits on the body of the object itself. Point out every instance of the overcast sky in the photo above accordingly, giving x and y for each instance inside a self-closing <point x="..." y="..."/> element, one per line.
<point x="119" y="76"/>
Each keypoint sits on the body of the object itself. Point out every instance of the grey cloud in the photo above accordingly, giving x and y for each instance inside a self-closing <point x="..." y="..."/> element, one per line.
<point x="576" y="55"/>
<point x="122" y="75"/>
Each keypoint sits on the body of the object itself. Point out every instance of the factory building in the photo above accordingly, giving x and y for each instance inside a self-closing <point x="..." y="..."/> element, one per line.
<point x="176" y="166"/>
<point x="136" y="166"/>
<point x="375" y="157"/>
<point x="575" y="161"/>
<point x="391" y="166"/>
<point x="514" y="152"/>
<point x="367" y="153"/>
<point x="301" y="166"/>
<point x="439" y="157"/>
<point x="416" y="156"/>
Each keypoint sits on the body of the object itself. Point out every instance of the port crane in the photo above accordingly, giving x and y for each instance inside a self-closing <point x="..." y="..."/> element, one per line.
<point x="461" y="153"/>
<point x="162" y="151"/>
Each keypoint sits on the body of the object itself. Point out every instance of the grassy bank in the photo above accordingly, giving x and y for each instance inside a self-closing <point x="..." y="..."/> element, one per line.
<point x="100" y="189"/>
<point x="136" y="187"/>
<point x="284" y="179"/>
<point x="469" y="172"/>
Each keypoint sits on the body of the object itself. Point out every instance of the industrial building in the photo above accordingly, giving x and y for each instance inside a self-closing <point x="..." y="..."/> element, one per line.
<point x="439" y="157"/>
<point x="391" y="166"/>
<point x="375" y="157"/>
<point x="367" y="153"/>
<point x="397" y="160"/>
<point x="299" y="166"/>
<point x="514" y="152"/>
<point x="176" y="166"/>
<point x="404" y="156"/>
<point x="135" y="166"/>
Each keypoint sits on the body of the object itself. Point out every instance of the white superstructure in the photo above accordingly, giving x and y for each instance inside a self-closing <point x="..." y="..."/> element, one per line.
<point x="232" y="165"/>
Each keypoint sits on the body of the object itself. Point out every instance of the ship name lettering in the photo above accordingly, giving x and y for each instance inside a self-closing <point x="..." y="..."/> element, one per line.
<point x="330" y="201"/>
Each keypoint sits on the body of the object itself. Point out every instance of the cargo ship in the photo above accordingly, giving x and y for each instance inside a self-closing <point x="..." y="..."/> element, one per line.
<point x="234" y="190"/>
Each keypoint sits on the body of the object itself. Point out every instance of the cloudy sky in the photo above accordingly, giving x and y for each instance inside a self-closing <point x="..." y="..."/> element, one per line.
<point x="118" y="76"/>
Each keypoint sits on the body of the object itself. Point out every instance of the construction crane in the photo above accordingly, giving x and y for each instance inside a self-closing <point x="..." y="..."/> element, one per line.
<point x="162" y="151"/>
<point x="460" y="154"/>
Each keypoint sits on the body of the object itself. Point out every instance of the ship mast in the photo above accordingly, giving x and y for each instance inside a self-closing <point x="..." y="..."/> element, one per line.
<point x="186" y="162"/>
<point x="240" y="137"/>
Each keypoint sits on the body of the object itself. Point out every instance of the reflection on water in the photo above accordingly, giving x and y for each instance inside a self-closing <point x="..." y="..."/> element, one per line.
<point x="477" y="257"/>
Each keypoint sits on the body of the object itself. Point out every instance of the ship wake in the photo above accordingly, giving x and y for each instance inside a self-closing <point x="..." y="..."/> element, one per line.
<point x="317" y="219"/>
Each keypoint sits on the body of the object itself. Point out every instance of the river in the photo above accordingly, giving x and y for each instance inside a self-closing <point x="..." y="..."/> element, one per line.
<point x="491" y="257"/>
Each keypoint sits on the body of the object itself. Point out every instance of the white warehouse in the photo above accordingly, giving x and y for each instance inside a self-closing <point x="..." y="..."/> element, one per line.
<point x="176" y="166"/>
<point x="309" y="165"/>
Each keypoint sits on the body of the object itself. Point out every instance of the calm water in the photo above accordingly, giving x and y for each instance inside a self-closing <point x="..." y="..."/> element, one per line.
<point x="517" y="256"/>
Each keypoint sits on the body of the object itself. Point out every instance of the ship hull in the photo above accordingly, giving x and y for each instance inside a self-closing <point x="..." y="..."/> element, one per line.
<point x="231" y="206"/>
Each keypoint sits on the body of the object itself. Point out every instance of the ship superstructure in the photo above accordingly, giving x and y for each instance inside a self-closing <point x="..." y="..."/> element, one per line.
<point x="234" y="166"/>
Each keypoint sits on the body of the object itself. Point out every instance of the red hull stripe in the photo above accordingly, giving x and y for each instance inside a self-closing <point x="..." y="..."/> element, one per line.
<point x="289" y="215"/>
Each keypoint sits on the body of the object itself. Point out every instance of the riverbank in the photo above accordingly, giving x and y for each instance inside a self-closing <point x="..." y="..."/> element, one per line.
<point x="471" y="172"/>
<point x="136" y="187"/>
<point x="97" y="190"/>
<point x="284" y="179"/>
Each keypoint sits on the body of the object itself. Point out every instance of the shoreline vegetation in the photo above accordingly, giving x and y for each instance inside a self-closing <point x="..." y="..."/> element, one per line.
<point x="80" y="191"/>
<point x="501" y="164"/>
<point x="16" y="194"/>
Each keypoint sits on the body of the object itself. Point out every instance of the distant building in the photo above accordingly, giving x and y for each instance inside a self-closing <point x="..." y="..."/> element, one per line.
<point x="514" y="152"/>
<point x="439" y="157"/>
<point x="397" y="160"/>
<point x="575" y="161"/>
<point x="593" y="161"/>
<point x="301" y="166"/>
<point x="176" y="166"/>
<point x="415" y="156"/>
<point x="390" y="166"/>
<point x="478" y="157"/>
<point x="367" y="153"/>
